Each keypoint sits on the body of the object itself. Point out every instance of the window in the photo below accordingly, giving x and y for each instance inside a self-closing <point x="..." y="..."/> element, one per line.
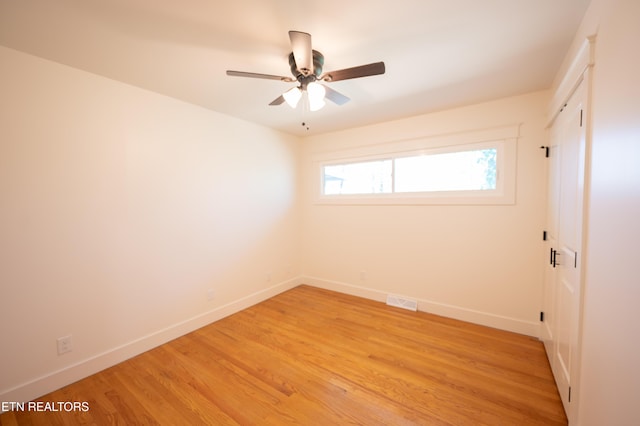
<point x="473" y="170"/>
<point x="367" y="177"/>
<point x="435" y="173"/>
<point x="454" y="171"/>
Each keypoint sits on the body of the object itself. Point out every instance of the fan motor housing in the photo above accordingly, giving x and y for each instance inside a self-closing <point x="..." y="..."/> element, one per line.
<point x="318" y="62"/>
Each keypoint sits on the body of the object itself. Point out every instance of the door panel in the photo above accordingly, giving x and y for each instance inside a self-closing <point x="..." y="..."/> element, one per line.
<point x="549" y="303"/>
<point x="572" y="135"/>
<point x="567" y="316"/>
<point x="552" y="220"/>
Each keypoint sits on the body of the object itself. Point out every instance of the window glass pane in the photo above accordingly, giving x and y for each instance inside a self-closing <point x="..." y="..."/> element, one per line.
<point x="453" y="171"/>
<point x="370" y="177"/>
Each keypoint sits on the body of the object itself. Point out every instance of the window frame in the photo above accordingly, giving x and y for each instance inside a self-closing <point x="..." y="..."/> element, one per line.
<point x="503" y="139"/>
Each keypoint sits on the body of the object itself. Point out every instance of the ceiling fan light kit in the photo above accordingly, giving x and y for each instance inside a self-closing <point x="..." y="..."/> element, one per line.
<point x="316" y="93"/>
<point x="292" y="96"/>
<point x="306" y="67"/>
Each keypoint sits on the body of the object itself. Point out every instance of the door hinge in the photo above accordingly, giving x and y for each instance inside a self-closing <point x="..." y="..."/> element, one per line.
<point x="544" y="235"/>
<point x="569" y="398"/>
<point x="575" y="259"/>
<point x="546" y="150"/>
<point x="541" y="316"/>
<point x="580" y="118"/>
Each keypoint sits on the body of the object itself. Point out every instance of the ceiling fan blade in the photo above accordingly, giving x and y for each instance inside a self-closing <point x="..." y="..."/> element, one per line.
<point x="258" y="75"/>
<point x="375" y="68"/>
<point x="302" y="52"/>
<point x="277" y="101"/>
<point x="335" y="96"/>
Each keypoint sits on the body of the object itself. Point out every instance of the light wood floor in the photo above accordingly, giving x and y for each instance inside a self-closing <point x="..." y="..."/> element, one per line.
<point x="314" y="357"/>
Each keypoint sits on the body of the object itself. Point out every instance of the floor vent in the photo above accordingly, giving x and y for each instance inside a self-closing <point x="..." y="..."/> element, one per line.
<point x="403" y="303"/>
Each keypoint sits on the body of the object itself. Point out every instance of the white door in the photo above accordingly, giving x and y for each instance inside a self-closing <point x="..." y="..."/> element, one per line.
<point x="551" y="243"/>
<point x="561" y="326"/>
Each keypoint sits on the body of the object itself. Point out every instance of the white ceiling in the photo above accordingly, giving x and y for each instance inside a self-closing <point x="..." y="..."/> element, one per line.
<point x="438" y="53"/>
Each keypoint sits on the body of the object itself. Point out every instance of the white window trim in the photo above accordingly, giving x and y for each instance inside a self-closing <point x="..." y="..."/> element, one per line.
<point x="504" y="138"/>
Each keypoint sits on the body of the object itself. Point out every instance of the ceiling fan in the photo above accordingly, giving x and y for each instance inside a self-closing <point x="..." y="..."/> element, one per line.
<point x="306" y="67"/>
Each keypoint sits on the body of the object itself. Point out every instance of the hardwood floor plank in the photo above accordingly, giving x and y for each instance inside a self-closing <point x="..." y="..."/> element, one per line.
<point x="311" y="356"/>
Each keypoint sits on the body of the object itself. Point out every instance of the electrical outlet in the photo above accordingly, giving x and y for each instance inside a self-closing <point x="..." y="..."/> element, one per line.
<point x="268" y="277"/>
<point x="210" y="294"/>
<point x="363" y="275"/>
<point x="64" y="344"/>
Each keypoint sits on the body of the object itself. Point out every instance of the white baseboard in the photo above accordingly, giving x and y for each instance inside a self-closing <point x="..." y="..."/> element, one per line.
<point x="529" y="328"/>
<point x="55" y="380"/>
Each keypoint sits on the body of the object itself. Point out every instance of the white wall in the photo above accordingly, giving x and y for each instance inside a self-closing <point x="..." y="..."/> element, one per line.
<point x="610" y="376"/>
<point x="119" y="210"/>
<point x="478" y="263"/>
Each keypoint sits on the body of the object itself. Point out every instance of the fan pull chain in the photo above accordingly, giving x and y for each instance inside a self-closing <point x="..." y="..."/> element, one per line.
<point x="305" y="108"/>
